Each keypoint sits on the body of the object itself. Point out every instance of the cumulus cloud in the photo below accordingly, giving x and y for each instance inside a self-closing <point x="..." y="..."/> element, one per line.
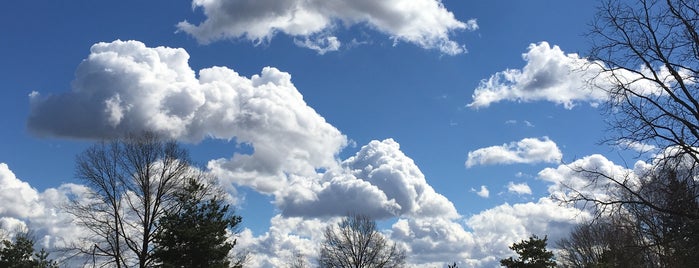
<point x="286" y="238"/>
<point x="124" y="86"/>
<point x="497" y="228"/>
<point x="24" y="208"/>
<point x="528" y="150"/>
<point x="426" y="23"/>
<point x="379" y="172"/>
<point x="433" y="240"/>
<point x="549" y="75"/>
<point x="519" y="188"/>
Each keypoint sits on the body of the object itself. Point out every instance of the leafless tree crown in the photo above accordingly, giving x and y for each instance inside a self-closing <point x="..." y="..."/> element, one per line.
<point x="131" y="183"/>
<point x="355" y="243"/>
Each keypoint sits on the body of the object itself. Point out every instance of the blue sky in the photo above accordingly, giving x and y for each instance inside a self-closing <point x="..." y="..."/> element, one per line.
<point x="403" y="83"/>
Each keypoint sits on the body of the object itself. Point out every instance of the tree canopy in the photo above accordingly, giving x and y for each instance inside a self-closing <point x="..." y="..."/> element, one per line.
<point x="532" y="254"/>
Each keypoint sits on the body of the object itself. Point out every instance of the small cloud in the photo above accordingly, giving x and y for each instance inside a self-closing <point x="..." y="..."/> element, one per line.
<point x="484" y="192"/>
<point x="519" y="188"/>
<point x="515" y="122"/>
<point x="637" y="146"/>
<point x="321" y="45"/>
<point x="526" y="151"/>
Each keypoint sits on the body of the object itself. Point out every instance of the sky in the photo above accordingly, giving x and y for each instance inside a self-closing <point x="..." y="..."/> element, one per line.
<point x="451" y="122"/>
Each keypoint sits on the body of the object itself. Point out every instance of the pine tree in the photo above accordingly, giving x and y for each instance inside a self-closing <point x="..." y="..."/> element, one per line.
<point x="532" y="254"/>
<point x="195" y="236"/>
<point x="20" y="254"/>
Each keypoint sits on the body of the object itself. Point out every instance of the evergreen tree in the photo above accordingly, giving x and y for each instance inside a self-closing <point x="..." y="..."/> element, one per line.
<point x="20" y="254"/>
<point x="532" y="254"/>
<point x="195" y="236"/>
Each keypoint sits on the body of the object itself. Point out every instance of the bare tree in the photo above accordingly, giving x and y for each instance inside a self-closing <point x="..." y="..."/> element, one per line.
<point x="648" y="51"/>
<point x="299" y="261"/>
<point x="355" y="243"/>
<point x="606" y="242"/>
<point x="132" y="181"/>
<point x="653" y="219"/>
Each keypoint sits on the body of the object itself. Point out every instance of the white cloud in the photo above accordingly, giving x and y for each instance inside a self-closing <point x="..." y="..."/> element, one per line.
<point x="124" y="86"/>
<point x="380" y="180"/>
<point x="431" y="240"/>
<point x="18" y="198"/>
<point x="565" y="79"/>
<point x="497" y="228"/>
<point x="637" y="146"/>
<point x="483" y="192"/>
<point x="549" y="75"/>
<point x="426" y="23"/>
<point x="321" y="44"/>
<point x="23" y="207"/>
<point x="519" y="188"/>
<point x="286" y="237"/>
<point x="514" y="122"/>
<point x="582" y="175"/>
<point x="528" y="150"/>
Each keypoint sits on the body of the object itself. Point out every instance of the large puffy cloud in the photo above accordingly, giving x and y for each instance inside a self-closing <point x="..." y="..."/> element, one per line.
<point x="124" y="86"/>
<point x="23" y="208"/>
<point x="549" y="75"/>
<point x="528" y="150"/>
<point x="379" y="172"/>
<point x="426" y="23"/>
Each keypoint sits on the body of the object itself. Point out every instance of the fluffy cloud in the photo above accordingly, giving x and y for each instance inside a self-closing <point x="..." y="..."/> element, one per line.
<point x="519" y="188"/>
<point x="497" y="228"/>
<point x="549" y="75"/>
<point x="587" y="176"/>
<point x="433" y="240"/>
<point x="124" y="86"/>
<point x="379" y="172"/>
<point x="529" y="150"/>
<point x="18" y="198"/>
<point x="426" y="23"/>
<point x="24" y="208"/>
<point x="286" y="238"/>
<point x="567" y="79"/>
